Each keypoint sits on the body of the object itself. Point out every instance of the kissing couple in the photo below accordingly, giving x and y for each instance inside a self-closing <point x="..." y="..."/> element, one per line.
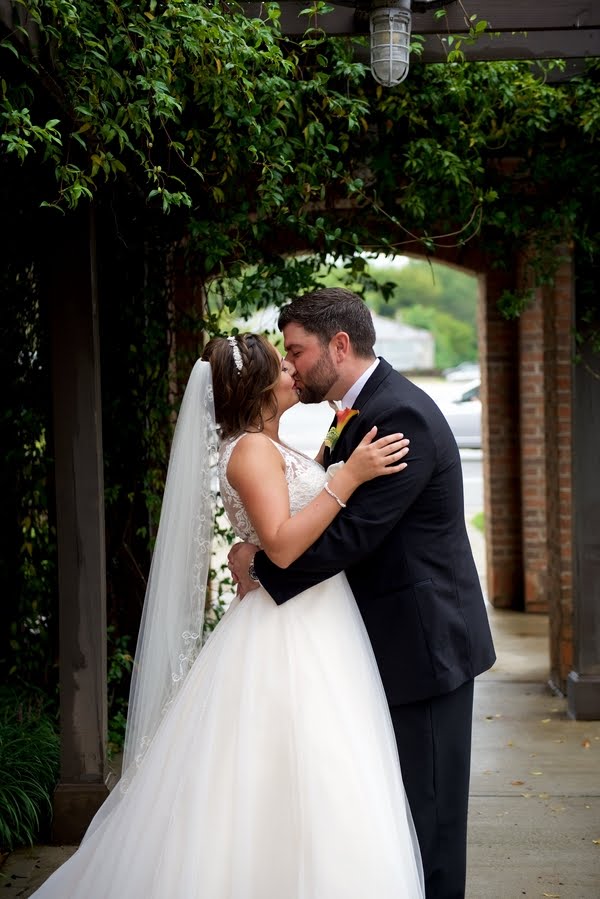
<point x="318" y="745"/>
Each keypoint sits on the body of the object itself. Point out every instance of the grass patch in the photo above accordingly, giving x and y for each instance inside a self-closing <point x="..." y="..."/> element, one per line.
<point x="478" y="521"/>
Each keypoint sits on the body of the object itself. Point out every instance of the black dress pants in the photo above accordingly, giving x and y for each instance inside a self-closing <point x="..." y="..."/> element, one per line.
<point x="434" y="744"/>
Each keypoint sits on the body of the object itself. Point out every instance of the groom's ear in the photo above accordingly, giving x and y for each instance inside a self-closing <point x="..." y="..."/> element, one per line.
<point x="340" y="346"/>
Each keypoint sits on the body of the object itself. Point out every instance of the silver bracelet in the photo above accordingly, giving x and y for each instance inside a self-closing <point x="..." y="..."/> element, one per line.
<point x="334" y="495"/>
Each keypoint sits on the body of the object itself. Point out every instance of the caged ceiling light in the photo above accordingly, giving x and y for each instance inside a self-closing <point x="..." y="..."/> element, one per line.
<point x="390" y="23"/>
<point x="390" y="42"/>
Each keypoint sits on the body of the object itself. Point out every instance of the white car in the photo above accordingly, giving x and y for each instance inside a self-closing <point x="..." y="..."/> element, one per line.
<point x="464" y="416"/>
<point x="465" y="371"/>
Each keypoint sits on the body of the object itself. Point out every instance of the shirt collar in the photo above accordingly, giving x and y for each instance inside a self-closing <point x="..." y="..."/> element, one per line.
<point x="349" y="397"/>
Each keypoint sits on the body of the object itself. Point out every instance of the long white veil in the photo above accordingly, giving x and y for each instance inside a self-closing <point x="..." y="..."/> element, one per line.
<point x="170" y="633"/>
<point x="172" y="619"/>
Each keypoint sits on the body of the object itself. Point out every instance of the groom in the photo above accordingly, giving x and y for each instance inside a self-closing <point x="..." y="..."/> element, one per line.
<point x="403" y="544"/>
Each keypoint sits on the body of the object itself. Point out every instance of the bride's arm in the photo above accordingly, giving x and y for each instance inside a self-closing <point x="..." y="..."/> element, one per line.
<point x="257" y="471"/>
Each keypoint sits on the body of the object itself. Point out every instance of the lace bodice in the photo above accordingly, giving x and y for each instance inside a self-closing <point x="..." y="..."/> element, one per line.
<point x="305" y="478"/>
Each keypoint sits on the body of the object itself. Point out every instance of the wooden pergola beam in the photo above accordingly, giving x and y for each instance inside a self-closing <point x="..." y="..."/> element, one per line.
<point x="534" y="45"/>
<point x="564" y="29"/>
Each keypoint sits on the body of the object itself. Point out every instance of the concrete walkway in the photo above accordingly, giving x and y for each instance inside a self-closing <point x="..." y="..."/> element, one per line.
<point x="535" y="788"/>
<point x="534" y="824"/>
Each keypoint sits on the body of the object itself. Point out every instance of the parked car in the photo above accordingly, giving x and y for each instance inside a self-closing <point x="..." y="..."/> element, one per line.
<point x="464" y="371"/>
<point x="464" y="416"/>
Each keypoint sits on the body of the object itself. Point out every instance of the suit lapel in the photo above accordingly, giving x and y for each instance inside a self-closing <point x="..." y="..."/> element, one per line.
<point x="327" y="451"/>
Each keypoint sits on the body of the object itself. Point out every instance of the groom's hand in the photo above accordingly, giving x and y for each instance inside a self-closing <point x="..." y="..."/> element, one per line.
<point x="239" y="558"/>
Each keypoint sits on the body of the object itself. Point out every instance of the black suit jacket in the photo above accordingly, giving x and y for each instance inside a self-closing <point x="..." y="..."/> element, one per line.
<point x="403" y="543"/>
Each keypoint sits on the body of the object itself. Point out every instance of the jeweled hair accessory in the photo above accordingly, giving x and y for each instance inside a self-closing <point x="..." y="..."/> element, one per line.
<point x="237" y="356"/>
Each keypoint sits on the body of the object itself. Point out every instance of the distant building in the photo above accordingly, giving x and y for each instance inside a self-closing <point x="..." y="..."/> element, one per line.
<point x="405" y="348"/>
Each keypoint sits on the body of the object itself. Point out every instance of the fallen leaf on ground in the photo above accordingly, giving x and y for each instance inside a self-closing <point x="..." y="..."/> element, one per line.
<point x="546" y="720"/>
<point x="536" y="773"/>
<point x="552" y="895"/>
<point x="586" y="743"/>
<point x="517" y="783"/>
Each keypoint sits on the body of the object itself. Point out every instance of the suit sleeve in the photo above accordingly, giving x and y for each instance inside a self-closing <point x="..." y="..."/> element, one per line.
<point x="372" y="512"/>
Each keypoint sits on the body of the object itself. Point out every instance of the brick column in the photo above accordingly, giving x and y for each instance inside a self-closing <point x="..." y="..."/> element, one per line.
<point x="561" y="448"/>
<point x="500" y="433"/>
<point x="537" y="420"/>
<point x="546" y="348"/>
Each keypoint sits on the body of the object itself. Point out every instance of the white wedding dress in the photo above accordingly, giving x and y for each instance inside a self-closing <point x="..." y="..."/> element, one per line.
<point x="274" y="773"/>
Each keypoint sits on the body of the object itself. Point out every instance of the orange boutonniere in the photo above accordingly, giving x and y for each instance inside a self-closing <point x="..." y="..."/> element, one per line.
<point x="342" y="416"/>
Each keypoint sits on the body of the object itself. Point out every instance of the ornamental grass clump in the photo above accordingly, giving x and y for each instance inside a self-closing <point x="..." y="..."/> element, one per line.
<point x="29" y="764"/>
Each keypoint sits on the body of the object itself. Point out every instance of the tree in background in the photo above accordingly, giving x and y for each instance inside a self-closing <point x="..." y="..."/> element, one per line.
<point x="423" y="294"/>
<point x="424" y="283"/>
<point x="455" y="341"/>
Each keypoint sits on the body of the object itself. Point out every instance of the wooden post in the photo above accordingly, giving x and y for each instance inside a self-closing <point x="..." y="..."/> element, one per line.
<point x="583" y="684"/>
<point x="80" y="524"/>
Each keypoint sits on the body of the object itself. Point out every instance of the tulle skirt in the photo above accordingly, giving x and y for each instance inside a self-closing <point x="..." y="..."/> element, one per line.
<point x="274" y="774"/>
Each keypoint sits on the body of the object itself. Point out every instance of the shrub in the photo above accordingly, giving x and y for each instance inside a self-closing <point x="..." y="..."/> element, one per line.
<point x="29" y="765"/>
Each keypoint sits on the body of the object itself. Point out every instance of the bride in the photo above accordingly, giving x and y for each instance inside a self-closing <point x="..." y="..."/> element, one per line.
<point x="264" y="766"/>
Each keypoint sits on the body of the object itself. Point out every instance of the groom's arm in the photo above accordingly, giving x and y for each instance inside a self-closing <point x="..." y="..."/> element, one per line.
<point x="372" y="512"/>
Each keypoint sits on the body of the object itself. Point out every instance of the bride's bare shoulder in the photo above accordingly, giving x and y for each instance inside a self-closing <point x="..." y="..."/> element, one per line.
<point x="253" y="456"/>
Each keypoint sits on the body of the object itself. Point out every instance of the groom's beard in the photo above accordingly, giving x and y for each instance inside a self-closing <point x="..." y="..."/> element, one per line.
<point x="318" y="381"/>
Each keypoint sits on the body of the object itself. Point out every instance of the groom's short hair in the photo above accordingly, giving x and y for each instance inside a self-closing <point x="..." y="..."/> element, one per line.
<point x="326" y="311"/>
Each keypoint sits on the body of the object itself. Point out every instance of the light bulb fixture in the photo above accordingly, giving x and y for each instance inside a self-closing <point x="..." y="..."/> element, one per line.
<point x="390" y="41"/>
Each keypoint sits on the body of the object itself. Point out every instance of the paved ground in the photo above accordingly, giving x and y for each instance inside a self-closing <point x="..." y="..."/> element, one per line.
<point x="535" y="790"/>
<point x="535" y="783"/>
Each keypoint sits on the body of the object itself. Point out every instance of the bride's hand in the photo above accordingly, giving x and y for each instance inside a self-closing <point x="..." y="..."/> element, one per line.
<point x="373" y="458"/>
<point x="238" y="561"/>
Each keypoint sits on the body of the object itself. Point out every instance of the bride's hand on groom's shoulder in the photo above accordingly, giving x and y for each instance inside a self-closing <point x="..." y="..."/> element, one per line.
<point x="374" y="457"/>
<point x="239" y="560"/>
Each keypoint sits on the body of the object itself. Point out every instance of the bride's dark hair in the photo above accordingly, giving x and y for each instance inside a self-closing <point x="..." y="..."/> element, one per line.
<point x="244" y="398"/>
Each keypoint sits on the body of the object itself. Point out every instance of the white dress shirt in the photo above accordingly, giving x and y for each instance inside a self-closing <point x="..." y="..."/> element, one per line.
<point x="350" y="395"/>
